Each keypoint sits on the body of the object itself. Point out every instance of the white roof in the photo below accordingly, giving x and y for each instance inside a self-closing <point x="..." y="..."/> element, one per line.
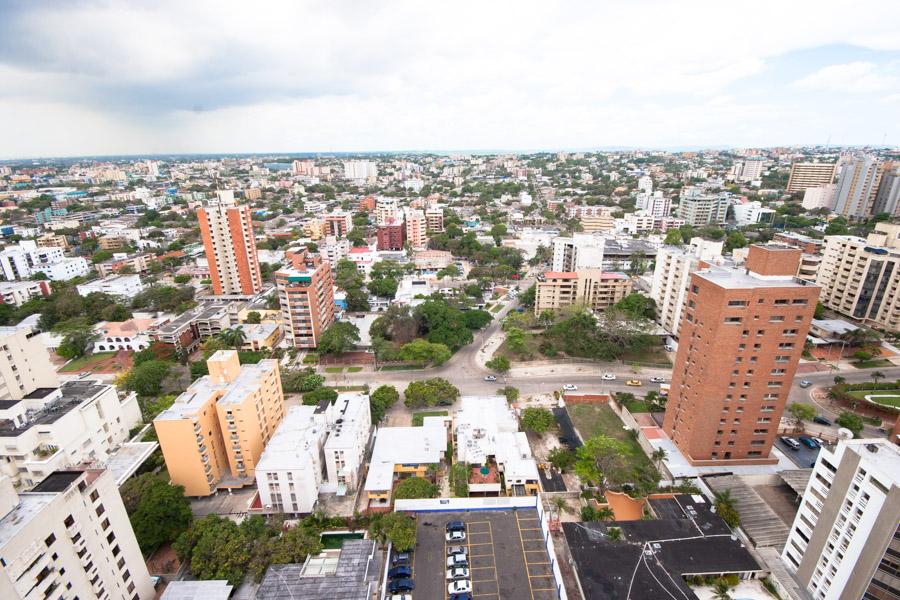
<point x="352" y="410"/>
<point x="403" y="446"/>
<point x="478" y="422"/>
<point x="217" y="589"/>
<point x="295" y="444"/>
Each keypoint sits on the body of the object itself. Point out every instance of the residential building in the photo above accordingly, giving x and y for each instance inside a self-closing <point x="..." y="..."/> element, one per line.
<point x="260" y="336"/>
<point x="487" y="435"/>
<point x="361" y="172"/>
<point x="860" y="277"/>
<point x="188" y="329"/>
<point x="672" y="277"/>
<point x="18" y="293"/>
<point x="598" y="221"/>
<point x="819" y="197"/>
<point x="627" y="254"/>
<point x="656" y="204"/>
<point x="391" y="235"/>
<point x="338" y="223"/>
<point x="51" y="240"/>
<point x="434" y="219"/>
<point x="131" y="335"/>
<point x="215" y="432"/>
<point x="25" y="259"/>
<point x="752" y="213"/>
<point x="24" y="364"/>
<point x="333" y="249"/>
<point x="811" y="248"/>
<point x="752" y="169"/>
<point x="805" y="175"/>
<point x="591" y="288"/>
<point x="887" y="199"/>
<point x="699" y="208"/>
<point x="122" y="286"/>
<point x="70" y="537"/>
<point x="314" y="229"/>
<point x="112" y="242"/>
<point x="52" y="428"/>
<point x="741" y="336"/>
<point x="845" y="539"/>
<point x="416" y="228"/>
<point x="212" y="589"/>
<point x="387" y="210"/>
<point x="581" y="251"/>
<point x="306" y="294"/>
<point x="857" y="187"/>
<point x="230" y="245"/>
<point x="402" y="452"/>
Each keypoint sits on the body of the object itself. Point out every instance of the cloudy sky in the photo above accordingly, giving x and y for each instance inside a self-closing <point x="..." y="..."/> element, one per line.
<point x="94" y="77"/>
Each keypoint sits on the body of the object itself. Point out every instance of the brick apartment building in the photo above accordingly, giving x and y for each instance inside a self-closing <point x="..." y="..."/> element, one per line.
<point x="306" y="294"/>
<point x="741" y="337"/>
<point x="391" y="236"/>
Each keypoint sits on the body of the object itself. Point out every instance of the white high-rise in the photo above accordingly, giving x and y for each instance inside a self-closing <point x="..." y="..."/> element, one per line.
<point x="581" y="251"/>
<point x="387" y="210"/>
<point x="672" y="276"/>
<point x="361" y="171"/>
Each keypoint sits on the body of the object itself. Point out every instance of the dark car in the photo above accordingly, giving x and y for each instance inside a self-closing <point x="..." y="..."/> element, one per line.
<point x="456" y="526"/>
<point x="822" y="420"/>
<point x="401" y="585"/>
<point x="401" y="558"/>
<point x="402" y="572"/>
<point x="808" y="442"/>
<point x="463" y="596"/>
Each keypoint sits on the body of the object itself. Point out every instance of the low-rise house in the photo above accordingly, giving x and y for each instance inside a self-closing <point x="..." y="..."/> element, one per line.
<point x="122" y="286"/>
<point x="133" y="335"/>
<point x="403" y="452"/>
<point x="18" y="293"/>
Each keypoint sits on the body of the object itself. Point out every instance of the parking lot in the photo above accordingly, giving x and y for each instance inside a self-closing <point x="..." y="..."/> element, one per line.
<point x="803" y="457"/>
<point x="507" y="556"/>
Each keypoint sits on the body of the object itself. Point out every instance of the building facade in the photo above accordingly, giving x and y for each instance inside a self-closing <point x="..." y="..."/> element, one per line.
<point x="591" y="288"/>
<point x="806" y="175"/>
<point x="123" y="286"/>
<point x="845" y="539"/>
<point x="581" y="251"/>
<point x="306" y="295"/>
<point x="18" y="293"/>
<point x="70" y="537"/>
<point x="215" y="432"/>
<point x="434" y="219"/>
<point x="857" y="187"/>
<point x="416" y="228"/>
<point x="227" y="232"/>
<point x="741" y="337"/>
<point x="698" y="208"/>
<point x="338" y="223"/>
<point x="391" y="236"/>
<point x="672" y="276"/>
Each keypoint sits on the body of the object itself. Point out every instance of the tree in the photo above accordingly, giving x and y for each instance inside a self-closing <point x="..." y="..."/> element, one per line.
<point x="297" y="543"/>
<point x="820" y="311"/>
<point x="430" y="392"/>
<point x="614" y="533"/>
<point x="851" y="421"/>
<point x="862" y="356"/>
<point x="385" y="287"/>
<point x="357" y="300"/>
<point x="538" y="420"/>
<point x="658" y="455"/>
<point x="180" y="279"/>
<point x="158" y="511"/>
<point x="341" y="337"/>
<point x="511" y="393"/>
<point x="735" y="239"/>
<point x="498" y="363"/>
<point x="76" y="343"/>
<point x="498" y="231"/>
<point x="876" y="375"/>
<point x="605" y="514"/>
<point x="801" y="412"/>
<point x="424" y="352"/>
<point x="459" y="479"/>
<point x="528" y="296"/>
<point x="215" y="549"/>
<point x="601" y="460"/>
<point x="381" y="400"/>
<point x="253" y="317"/>
<point x="415" y="487"/>
<point x="721" y="590"/>
<point x="726" y="509"/>
<point x="316" y="396"/>
<point x="637" y="306"/>
<point x="838" y="380"/>
<point x="515" y="340"/>
<point x="397" y="527"/>
<point x="305" y="380"/>
<point x="450" y="271"/>
<point x="673" y="238"/>
<point x="562" y="458"/>
<point x="146" y="378"/>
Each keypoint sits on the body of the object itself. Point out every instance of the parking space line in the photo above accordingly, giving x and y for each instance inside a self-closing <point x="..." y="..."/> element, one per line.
<point x="524" y="557"/>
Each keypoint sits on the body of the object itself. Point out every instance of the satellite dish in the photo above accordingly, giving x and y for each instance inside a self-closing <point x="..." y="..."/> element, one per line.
<point x="844" y="434"/>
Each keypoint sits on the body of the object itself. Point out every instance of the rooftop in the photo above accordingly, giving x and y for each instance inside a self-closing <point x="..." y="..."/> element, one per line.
<point x="294" y="442"/>
<point x="197" y="590"/>
<point x="58" y="481"/>
<point x="740" y="278"/>
<point x="72" y="395"/>
<point x="403" y="445"/>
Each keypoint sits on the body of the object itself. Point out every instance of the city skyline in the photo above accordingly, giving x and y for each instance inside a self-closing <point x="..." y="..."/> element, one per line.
<point x="94" y="78"/>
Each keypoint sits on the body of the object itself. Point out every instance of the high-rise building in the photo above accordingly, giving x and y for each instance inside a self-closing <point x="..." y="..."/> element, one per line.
<point x="860" y="277"/>
<point x="591" y="288"/>
<point x="645" y="184"/>
<point x="672" y="276"/>
<point x="69" y="537"/>
<point x="338" y="223"/>
<point x="819" y="197"/>
<point x="752" y="169"/>
<point x="306" y="294"/>
<point x="581" y="251"/>
<point x="698" y="208"/>
<point x="361" y="171"/>
<point x="391" y="235"/>
<point x="857" y="187"/>
<point x="887" y="199"/>
<point x="806" y="175"/>
<point x="387" y="210"/>
<point x="215" y="432"/>
<point x="227" y="232"/>
<point x="741" y="336"/>
<point x="434" y="217"/>
<point x="845" y="539"/>
<point x="416" y="228"/>
<point x="656" y="204"/>
<point x="24" y="364"/>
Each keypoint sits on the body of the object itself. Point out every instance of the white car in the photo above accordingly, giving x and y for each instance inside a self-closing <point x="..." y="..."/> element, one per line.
<point x="657" y="380"/>
<point x="608" y="377"/>
<point x="458" y="573"/>
<point x="460" y="587"/>
<point x="570" y="387"/>
<point x="401" y="597"/>
<point x="456" y="536"/>
<point x="457" y="560"/>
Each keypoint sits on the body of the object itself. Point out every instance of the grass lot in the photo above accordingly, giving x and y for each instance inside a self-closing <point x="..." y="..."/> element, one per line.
<point x="496" y="308"/>
<point x="417" y="417"/>
<point x="637" y="406"/>
<point x="591" y="420"/>
<point x="354" y="369"/>
<point x="874" y="363"/>
<point x="400" y="367"/>
<point x="892" y="399"/>
<point x="334" y="369"/>
<point x="655" y="356"/>
<point x="350" y="388"/>
<point x="87" y="362"/>
<point x="311" y="359"/>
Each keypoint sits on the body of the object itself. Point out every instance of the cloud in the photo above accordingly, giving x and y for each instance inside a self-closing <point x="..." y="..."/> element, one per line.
<point x="851" y="78"/>
<point x="286" y="75"/>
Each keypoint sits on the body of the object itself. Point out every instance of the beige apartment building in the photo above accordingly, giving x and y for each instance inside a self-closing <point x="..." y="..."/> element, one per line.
<point x="416" y="228"/>
<point x="672" y="276"/>
<point x="593" y="288"/>
<point x="860" y="277"/>
<point x="809" y="175"/>
<point x="70" y="538"/>
<point x="230" y="246"/>
<point x="434" y="217"/>
<point x="214" y="434"/>
<point x="24" y="364"/>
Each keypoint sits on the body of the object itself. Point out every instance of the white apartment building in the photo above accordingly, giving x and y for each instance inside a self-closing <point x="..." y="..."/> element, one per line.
<point x="860" y="277"/>
<point x="752" y="169"/>
<point x="18" y="293"/>
<point x="24" y="364"/>
<point x="819" y="197"/>
<point x="581" y="251"/>
<point x="387" y="210"/>
<point x="70" y="537"/>
<point x="316" y="449"/>
<point x="845" y="539"/>
<point x="645" y="184"/>
<point x="361" y="171"/>
<point x="656" y="204"/>
<point x="672" y="276"/>
<point x="751" y="213"/>
<point x="26" y="259"/>
<point x="809" y="175"/>
<point x="699" y="208"/>
<point x="416" y="228"/>
<point x="333" y="249"/>
<point x="122" y="286"/>
<point x="56" y="428"/>
<point x="857" y="187"/>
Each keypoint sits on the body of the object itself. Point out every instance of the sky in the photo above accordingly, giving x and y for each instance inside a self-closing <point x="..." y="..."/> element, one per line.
<point x="196" y="76"/>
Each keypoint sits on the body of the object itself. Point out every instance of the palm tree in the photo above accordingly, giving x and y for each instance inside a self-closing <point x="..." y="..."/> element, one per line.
<point x="839" y="380"/>
<point x="614" y="534"/>
<point x="721" y="590"/>
<point x="724" y="498"/>
<point x="233" y="337"/>
<point x="658" y="456"/>
<point x="605" y="514"/>
<point x="561" y="505"/>
<point x="876" y="375"/>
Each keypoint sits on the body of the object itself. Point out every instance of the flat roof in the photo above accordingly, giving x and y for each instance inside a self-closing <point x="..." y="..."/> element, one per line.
<point x="294" y="442"/>
<point x="561" y="275"/>
<point x="73" y="394"/>
<point x="739" y="278"/>
<point x="127" y="458"/>
<point x="403" y="445"/>
<point x="58" y="481"/>
<point x="197" y="590"/>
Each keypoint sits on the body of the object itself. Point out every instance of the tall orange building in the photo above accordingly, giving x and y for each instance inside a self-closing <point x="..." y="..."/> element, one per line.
<point x="227" y="232"/>
<point x="741" y="336"/>
<point x="215" y="432"/>
<point x="306" y="294"/>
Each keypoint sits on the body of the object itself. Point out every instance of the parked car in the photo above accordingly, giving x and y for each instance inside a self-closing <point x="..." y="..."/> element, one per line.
<point x="805" y="383"/>
<point x="670" y="348"/>
<point x="464" y="596"/>
<point x="822" y="420"/>
<point x="570" y="387"/>
<point x="459" y="587"/>
<point x="790" y="442"/>
<point x="457" y="560"/>
<point x="819" y="441"/>
<point x="608" y="377"/>
<point x="401" y="558"/>
<point x="808" y="442"/>
<point x="401" y="597"/>
<point x="634" y="382"/>
<point x="451" y="550"/>
<point x="657" y="380"/>
<point x="401" y="572"/>
<point x="490" y="378"/>
<point x="401" y="585"/>
<point x="455" y="526"/>
<point x="455" y="536"/>
<point x="458" y="573"/>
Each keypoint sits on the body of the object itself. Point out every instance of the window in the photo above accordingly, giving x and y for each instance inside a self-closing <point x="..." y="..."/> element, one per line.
<point x="94" y="495"/>
<point x="100" y="510"/>
<point x="50" y="539"/>
<point x="69" y="521"/>
<point x="733" y="319"/>
<point x="782" y="302"/>
<point x="799" y="301"/>
<point x="737" y="303"/>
